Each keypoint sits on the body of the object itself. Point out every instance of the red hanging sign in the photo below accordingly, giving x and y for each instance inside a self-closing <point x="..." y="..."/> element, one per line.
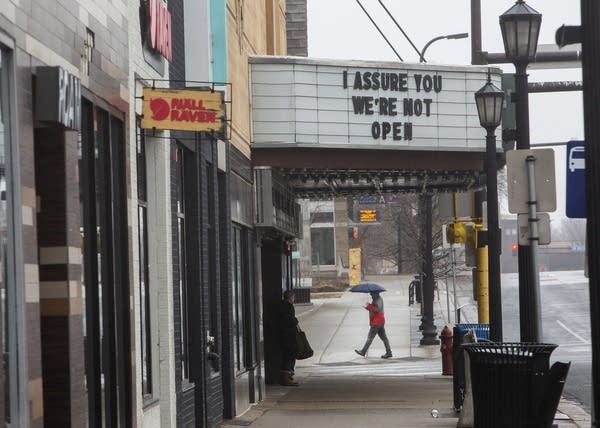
<point x="159" y="28"/>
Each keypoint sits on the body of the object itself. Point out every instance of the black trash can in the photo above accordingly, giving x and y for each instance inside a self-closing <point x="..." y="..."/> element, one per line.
<point x="482" y="331"/>
<point x="509" y="382"/>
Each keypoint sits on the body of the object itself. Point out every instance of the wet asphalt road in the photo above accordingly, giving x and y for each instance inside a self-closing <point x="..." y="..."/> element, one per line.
<point x="565" y="321"/>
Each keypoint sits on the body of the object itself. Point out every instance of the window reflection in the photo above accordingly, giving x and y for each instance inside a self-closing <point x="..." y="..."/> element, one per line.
<point x="4" y="200"/>
<point x="181" y="239"/>
<point x="144" y="278"/>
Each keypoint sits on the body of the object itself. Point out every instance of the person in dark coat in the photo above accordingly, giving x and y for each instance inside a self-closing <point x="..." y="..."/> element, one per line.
<point x="288" y="325"/>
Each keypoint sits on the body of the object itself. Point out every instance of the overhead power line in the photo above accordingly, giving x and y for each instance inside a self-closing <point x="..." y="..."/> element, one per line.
<point x="403" y="32"/>
<point x="381" y="32"/>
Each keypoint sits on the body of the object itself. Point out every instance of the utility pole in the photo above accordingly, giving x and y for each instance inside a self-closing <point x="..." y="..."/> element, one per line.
<point x="590" y="24"/>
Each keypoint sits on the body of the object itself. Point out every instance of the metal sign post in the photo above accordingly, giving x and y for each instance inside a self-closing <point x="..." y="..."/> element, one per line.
<point x="533" y="238"/>
<point x="456" y="317"/>
<point x="530" y="190"/>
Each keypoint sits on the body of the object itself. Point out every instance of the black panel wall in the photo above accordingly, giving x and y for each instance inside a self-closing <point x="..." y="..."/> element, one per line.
<point x="272" y="273"/>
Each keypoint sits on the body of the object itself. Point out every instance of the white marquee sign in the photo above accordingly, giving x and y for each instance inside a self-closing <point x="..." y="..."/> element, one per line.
<point x="305" y="102"/>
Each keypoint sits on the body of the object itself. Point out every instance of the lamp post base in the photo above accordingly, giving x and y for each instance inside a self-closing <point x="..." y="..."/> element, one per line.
<point x="430" y="336"/>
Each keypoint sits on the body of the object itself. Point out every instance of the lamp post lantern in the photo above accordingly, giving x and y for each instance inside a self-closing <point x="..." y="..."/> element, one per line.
<point x="520" y="26"/>
<point x="489" y="100"/>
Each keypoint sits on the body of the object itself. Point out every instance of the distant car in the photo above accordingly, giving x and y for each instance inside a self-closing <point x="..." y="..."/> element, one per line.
<point x="576" y="158"/>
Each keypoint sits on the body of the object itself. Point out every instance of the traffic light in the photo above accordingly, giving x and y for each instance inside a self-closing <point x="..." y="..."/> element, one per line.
<point x="456" y="233"/>
<point x="515" y="248"/>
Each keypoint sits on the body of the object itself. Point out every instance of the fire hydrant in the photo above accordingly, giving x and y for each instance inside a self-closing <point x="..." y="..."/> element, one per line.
<point x="446" y="350"/>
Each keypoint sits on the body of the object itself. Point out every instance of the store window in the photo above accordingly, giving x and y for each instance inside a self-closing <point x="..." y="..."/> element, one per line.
<point x="182" y="253"/>
<point x="243" y="285"/>
<point x="105" y="266"/>
<point x="238" y="298"/>
<point x="322" y="233"/>
<point x="5" y="294"/>
<point x="323" y="245"/>
<point x="144" y="277"/>
<point x="251" y="319"/>
<point x="244" y="299"/>
<point x="212" y="226"/>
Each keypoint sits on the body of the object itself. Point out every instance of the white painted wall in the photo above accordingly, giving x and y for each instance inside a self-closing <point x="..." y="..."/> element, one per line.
<point x="163" y="412"/>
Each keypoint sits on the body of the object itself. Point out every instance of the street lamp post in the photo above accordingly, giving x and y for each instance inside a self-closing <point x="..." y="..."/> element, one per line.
<point x="429" y="331"/>
<point x="435" y="39"/>
<point x="489" y="101"/>
<point x="427" y="280"/>
<point x="520" y="26"/>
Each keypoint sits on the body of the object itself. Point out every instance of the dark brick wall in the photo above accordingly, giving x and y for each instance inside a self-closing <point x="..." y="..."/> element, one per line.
<point x="51" y="223"/>
<point x="272" y="272"/>
<point x="213" y="394"/>
<point x="206" y="394"/>
<point x="177" y="65"/>
<point x="296" y="27"/>
<point x="241" y="164"/>
<point x="61" y="324"/>
<point x="185" y="399"/>
<point x="228" y="371"/>
<point x="186" y="417"/>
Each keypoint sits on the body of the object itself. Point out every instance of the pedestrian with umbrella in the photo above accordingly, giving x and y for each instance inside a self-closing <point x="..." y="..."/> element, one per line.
<point x="376" y="317"/>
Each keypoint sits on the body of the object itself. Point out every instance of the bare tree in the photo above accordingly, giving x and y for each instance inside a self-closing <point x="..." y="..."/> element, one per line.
<point x="398" y="236"/>
<point x="569" y="230"/>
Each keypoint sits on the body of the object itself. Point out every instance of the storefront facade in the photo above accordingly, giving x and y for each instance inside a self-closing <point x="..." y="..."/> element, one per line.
<point x="66" y="304"/>
<point x="131" y="289"/>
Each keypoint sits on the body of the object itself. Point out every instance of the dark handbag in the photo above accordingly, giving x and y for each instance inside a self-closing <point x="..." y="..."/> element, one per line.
<point x="303" y="349"/>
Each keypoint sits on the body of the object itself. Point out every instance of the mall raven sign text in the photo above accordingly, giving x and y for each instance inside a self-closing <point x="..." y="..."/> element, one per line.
<point x="384" y="94"/>
<point x="183" y="109"/>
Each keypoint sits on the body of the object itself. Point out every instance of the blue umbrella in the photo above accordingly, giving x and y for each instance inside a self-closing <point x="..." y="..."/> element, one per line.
<point x="367" y="287"/>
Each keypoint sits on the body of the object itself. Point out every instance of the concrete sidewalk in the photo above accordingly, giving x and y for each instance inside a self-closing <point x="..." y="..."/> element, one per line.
<point x="341" y="389"/>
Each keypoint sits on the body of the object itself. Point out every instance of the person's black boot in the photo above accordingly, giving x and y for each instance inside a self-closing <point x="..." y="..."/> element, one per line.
<point x="388" y="354"/>
<point x="361" y="353"/>
<point x="285" y="379"/>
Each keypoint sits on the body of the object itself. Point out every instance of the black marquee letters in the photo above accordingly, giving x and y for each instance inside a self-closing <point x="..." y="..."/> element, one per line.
<point x="389" y="106"/>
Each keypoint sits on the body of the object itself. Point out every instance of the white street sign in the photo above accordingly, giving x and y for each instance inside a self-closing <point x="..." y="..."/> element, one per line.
<point x="543" y="229"/>
<point x="545" y="182"/>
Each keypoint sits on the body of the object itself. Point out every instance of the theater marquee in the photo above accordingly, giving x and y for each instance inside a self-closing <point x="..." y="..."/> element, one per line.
<point x="307" y="102"/>
<point x="183" y="110"/>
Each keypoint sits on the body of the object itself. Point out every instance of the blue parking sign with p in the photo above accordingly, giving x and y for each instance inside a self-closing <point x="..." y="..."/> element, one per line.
<point x="576" y="206"/>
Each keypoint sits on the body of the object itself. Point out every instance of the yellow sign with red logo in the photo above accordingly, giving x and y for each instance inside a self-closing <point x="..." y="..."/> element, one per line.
<point x="183" y="109"/>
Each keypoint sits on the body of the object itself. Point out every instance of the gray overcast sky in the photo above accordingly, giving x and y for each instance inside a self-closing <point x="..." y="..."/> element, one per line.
<point x="339" y="29"/>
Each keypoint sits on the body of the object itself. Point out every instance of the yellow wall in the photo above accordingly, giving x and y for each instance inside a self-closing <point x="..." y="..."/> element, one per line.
<point x="255" y="27"/>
